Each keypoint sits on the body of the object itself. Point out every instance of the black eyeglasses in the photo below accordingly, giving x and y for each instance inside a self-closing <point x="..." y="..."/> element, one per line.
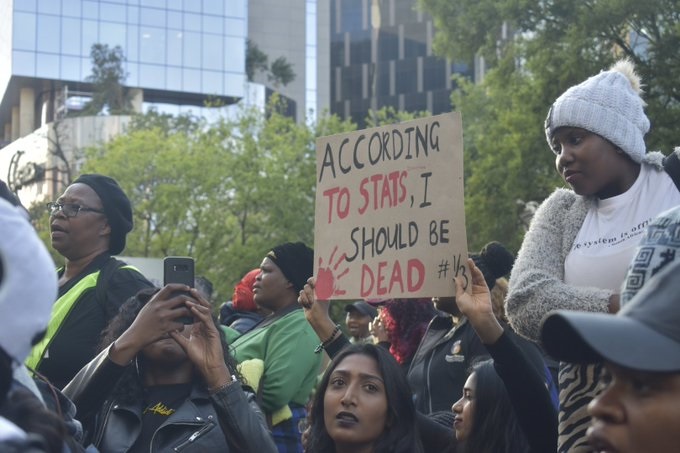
<point x="69" y="209"/>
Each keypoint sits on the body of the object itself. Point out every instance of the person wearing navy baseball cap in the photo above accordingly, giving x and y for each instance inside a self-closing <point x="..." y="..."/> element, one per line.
<point x="360" y="314"/>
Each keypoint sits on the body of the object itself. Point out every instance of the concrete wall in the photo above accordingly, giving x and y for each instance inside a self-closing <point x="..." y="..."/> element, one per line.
<point x="323" y="56"/>
<point x="278" y="29"/>
<point x="6" y="8"/>
<point x="72" y="136"/>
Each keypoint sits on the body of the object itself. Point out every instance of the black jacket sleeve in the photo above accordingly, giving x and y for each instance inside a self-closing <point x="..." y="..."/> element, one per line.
<point x="89" y="388"/>
<point x="336" y="346"/>
<point x="527" y="391"/>
<point x="241" y="420"/>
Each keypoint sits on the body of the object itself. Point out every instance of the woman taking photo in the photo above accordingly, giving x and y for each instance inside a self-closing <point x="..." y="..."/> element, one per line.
<point x="363" y="405"/>
<point x="161" y="385"/>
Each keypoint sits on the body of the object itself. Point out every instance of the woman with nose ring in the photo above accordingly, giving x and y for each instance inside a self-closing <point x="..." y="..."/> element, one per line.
<point x="581" y="240"/>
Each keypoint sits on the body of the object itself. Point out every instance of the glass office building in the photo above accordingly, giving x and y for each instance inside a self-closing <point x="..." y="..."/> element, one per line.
<point x="381" y="55"/>
<point x="177" y="51"/>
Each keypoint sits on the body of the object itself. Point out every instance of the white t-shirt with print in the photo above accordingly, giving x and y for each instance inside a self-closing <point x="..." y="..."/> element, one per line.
<point x="612" y="229"/>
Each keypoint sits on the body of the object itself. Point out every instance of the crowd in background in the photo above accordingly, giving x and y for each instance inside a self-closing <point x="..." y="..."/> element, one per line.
<point x="571" y="346"/>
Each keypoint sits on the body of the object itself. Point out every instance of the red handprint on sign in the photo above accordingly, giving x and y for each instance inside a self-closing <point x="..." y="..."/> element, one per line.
<point x="326" y="279"/>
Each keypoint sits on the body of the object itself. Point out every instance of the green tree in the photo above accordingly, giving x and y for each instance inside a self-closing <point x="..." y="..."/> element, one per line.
<point x="40" y="220"/>
<point x="280" y="72"/>
<point x="390" y="115"/>
<point x="256" y="60"/>
<point x="222" y="192"/>
<point x="108" y="81"/>
<point x="554" y="44"/>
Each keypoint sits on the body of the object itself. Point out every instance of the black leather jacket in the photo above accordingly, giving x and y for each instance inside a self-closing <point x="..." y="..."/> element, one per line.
<point x="226" y="421"/>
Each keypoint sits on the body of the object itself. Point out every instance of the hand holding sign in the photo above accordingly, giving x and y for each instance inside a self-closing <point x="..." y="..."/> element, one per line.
<point x="326" y="278"/>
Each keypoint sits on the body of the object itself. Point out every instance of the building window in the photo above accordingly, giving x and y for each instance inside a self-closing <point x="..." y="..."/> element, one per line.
<point x="90" y="10"/>
<point x="70" y="41"/>
<point x="152" y="17"/>
<point x="212" y="24"/>
<point x="152" y="45"/>
<point x="113" y="13"/>
<point x="174" y="48"/>
<point x="24" y="31"/>
<point x="70" y="68"/>
<point x="48" y="28"/>
<point x="213" y="52"/>
<point x="192" y="49"/>
<point x="48" y="7"/>
<point x="192" y="22"/>
<point x="113" y="34"/>
<point x="388" y="45"/>
<point x="23" y="63"/>
<point x="26" y="5"/>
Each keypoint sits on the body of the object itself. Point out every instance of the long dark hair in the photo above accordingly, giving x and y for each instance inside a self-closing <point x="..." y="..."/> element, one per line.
<point x="129" y="387"/>
<point x="406" y="321"/>
<point x="495" y="428"/>
<point x="400" y="435"/>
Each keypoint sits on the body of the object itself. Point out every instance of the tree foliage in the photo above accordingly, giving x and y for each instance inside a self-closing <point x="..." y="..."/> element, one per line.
<point x="256" y="60"/>
<point x="108" y="81"/>
<point x="224" y="192"/>
<point x="390" y="115"/>
<point x="552" y="45"/>
<point x="280" y="72"/>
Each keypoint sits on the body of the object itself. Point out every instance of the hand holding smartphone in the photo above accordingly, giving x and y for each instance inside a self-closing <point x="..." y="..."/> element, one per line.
<point x="179" y="269"/>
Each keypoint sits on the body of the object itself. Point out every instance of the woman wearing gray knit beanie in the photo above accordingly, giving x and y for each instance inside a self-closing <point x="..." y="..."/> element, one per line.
<point x="581" y="240"/>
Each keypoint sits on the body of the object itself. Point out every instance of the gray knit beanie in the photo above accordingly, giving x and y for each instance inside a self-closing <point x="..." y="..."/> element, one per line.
<point x="609" y="105"/>
<point x="657" y="249"/>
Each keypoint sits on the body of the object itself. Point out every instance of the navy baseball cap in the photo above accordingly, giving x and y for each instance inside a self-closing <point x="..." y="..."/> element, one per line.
<point x="363" y="308"/>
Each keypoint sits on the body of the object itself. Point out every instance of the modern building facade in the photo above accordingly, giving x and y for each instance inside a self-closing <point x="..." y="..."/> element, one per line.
<point x="297" y="30"/>
<point x="177" y="51"/>
<point x="178" y="55"/>
<point x="381" y="56"/>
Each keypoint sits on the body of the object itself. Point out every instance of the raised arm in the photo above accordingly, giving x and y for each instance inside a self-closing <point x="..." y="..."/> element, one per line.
<point x="242" y="422"/>
<point x="529" y="396"/>
<point x="317" y="315"/>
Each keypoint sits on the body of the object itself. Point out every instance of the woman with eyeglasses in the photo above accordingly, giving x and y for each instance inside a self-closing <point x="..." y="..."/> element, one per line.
<point x="88" y="224"/>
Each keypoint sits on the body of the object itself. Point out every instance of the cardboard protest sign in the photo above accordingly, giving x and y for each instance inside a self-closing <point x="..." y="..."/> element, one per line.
<point x="390" y="218"/>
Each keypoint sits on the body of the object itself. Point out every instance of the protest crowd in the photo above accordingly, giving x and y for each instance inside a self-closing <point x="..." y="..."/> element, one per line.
<point x="573" y="345"/>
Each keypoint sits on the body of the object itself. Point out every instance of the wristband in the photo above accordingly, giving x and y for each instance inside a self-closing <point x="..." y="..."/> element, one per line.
<point x="214" y="390"/>
<point x="328" y="340"/>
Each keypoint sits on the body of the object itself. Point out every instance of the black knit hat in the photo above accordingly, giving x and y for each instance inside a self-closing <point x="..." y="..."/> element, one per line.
<point x="116" y="205"/>
<point x="495" y="261"/>
<point x="295" y="260"/>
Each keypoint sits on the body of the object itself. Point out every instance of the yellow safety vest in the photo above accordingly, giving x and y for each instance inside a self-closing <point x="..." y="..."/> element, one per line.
<point x="60" y="310"/>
